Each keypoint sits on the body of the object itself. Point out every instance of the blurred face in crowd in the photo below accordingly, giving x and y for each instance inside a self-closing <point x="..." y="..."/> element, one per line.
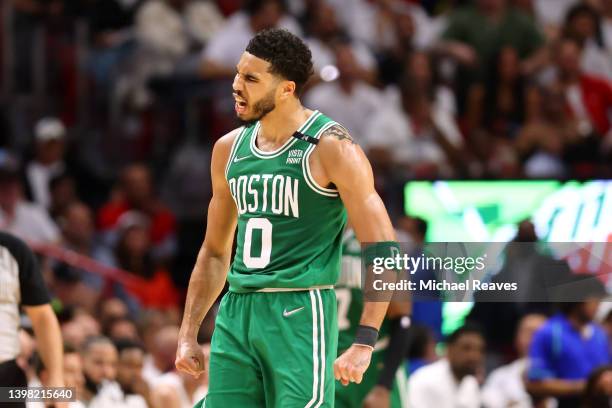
<point x="325" y="24"/>
<point x="100" y="363"/>
<point x="10" y="192"/>
<point x="345" y="60"/>
<point x="63" y="192"/>
<point x="73" y="371"/>
<point x="583" y="25"/>
<point x="164" y="347"/>
<point x="77" y="223"/>
<point x="50" y="151"/>
<point x="527" y="327"/>
<point x="112" y="309"/>
<point x="123" y="329"/>
<point x="267" y="16"/>
<point x="419" y="67"/>
<point x="508" y="64"/>
<point x="526" y="232"/>
<point x="491" y="6"/>
<point x="405" y="28"/>
<point x="129" y="369"/>
<point x="569" y="59"/>
<point x="604" y="383"/>
<point x="255" y="89"/>
<point x="466" y="354"/>
<point x="135" y="241"/>
<point x="137" y="185"/>
<point x="587" y="310"/>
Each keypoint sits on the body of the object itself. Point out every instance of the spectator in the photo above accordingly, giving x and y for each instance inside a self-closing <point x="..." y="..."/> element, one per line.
<point x="324" y="31"/>
<point x="372" y="22"/>
<point x="583" y="24"/>
<point x="78" y="229"/>
<point x="426" y="304"/>
<point x="133" y="253"/>
<point x="606" y="23"/>
<point x="73" y="377"/>
<point x="180" y="390"/>
<point x="392" y="58"/>
<point x="543" y="142"/>
<point x="111" y="24"/>
<point x="588" y="100"/>
<point x="349" y="100"/>
<point x="129" y="374"/>
<point x="168" y="33"/>
<point x="422" y="350"/>
<point x="136" y="192"/>
<point x="100" y="370"/>
<point x="48" y="162"/>
<point x="451" y="381"/>
<point x="417" y="138"/>
<point x="162" y="354"/>
<point x="550" y="14"/>
<point x="505" y="386"/>
<point x="224" y="49"/>
<point x="62" y="192"/>
<point x="22" y="286"/>
<point x="79" y="327"/>
<point x="73" y="371"/>
<point x="476" y="34"/>
<point x="28" y="221"/>
<point x="498" y="104"/>
<point x="122" y="328"/>
<point x="419" y="67"/>
<point x="588" y="97"/>
<point x="569" y="346"/>
<point x="598" y="392"/>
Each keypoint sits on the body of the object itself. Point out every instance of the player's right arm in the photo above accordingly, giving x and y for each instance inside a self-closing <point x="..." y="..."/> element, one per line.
<point x="210" y="270"/>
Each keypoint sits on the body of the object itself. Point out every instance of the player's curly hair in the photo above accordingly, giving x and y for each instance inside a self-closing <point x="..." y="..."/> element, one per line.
<point x="287" y="54"/>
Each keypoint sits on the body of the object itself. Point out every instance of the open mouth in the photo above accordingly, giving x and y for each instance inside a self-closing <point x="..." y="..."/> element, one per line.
<point x="240" y="107"/>
<point x="241" y="104"/>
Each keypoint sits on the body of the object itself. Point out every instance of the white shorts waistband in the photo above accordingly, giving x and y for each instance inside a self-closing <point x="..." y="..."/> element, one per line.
<point x="294" y="289"/>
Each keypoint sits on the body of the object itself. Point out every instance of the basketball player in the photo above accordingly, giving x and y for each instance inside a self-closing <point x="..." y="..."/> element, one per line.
<point x="384" y="383"/>
<point x="287" y="179"/>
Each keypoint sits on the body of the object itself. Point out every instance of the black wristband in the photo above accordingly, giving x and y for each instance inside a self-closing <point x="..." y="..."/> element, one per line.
<point x="366" y="336"/>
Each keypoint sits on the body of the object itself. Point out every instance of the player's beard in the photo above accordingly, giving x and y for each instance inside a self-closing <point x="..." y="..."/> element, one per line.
<point x="261" y="108"/>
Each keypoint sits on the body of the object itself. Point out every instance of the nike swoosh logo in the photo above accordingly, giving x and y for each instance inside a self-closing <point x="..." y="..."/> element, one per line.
<point x="289" y="313"/>
<point x="236" y="159"/>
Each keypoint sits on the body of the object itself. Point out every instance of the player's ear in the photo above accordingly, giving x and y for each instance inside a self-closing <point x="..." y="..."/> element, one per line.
<point x="287" y="89"/>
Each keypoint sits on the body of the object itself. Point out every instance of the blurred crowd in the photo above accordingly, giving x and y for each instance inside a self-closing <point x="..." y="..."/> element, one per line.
<point x="109" y="109"/>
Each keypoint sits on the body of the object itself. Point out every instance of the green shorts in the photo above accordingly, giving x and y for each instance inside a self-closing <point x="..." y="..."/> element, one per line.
<point x="353" y="395"/>
<point x="274" y="349"/>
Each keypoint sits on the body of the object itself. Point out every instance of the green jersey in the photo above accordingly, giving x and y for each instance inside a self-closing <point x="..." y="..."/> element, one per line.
<point x="289" y="227"/>
<point x="350" y="296"/>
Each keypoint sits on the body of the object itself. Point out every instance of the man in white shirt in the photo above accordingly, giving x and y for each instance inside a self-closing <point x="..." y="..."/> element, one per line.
<point x="415" y="135"/>
<point x="26" y="220"/>
<point x="225" y="48"/>
<point x="49" y="135"/>
<point x="451" y="382"/>
<point x="100" y="361"/>
<point x="348" y="99"/>
<point x="505" y="386"/>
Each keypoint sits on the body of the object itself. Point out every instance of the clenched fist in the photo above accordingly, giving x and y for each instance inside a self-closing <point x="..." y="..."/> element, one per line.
<point x="351" y="365"/>
<point x="190" y="358"/>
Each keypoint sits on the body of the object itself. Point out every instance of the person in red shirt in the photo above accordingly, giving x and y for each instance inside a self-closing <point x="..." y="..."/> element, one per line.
<point x="588" y="101"/>
<point x="588" y="98"/>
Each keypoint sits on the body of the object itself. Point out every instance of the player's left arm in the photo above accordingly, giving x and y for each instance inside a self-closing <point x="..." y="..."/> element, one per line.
<point x="346" y="166"/>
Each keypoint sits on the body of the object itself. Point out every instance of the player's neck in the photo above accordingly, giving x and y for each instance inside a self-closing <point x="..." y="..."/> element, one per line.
<point x="278" y="125"/>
